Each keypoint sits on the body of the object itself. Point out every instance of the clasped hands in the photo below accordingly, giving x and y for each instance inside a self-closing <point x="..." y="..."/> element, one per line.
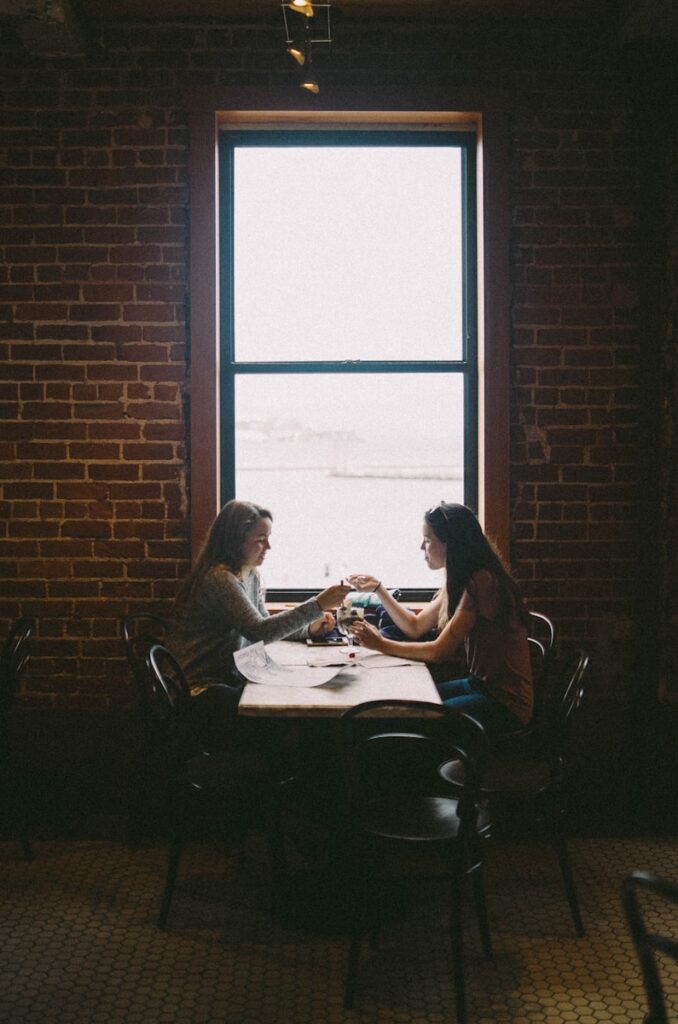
<point x="364" y="632"/>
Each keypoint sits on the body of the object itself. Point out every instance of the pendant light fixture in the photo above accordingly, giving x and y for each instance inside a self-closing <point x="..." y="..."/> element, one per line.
<point x="300" y="38"/>
<point x="304" y="7"/>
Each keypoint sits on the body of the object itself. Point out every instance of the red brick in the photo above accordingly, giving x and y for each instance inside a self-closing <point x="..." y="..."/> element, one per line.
<point x="158" y="313"/>
<point x="94" y="311"/>
<point x="111" y="471"/>
<point x="85" y="528"/>
<point x="89" y="450"/>
<point x="99" y="411"/>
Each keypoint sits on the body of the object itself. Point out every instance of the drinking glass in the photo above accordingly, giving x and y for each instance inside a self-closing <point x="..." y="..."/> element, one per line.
<point x="346" y="616"/>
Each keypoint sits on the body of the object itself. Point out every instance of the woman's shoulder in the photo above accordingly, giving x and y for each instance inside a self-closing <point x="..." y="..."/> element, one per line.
<point x="219" y="575"/>
<point x="483" y="581"/>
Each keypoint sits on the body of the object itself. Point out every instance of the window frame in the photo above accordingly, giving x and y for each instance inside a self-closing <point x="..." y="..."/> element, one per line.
<point x="230" y="367"/>
<point x="209" y="110"/>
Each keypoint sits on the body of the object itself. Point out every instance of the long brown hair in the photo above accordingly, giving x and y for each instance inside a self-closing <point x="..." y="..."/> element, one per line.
<point x="224" y="544"/>
<point x="467" y="551"/>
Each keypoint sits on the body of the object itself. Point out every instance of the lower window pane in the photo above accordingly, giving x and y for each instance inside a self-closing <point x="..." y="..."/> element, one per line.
<point x="348" y="464"/>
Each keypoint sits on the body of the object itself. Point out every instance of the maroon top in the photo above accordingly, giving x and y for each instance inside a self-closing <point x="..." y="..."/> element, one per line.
<point x="498" y="656"/>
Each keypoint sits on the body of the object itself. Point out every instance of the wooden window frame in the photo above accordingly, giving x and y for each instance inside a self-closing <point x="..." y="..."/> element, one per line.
<point x="210" y="110"/>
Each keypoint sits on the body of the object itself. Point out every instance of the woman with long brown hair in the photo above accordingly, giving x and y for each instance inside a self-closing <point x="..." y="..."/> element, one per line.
<point x="479" y="608"/>
<point x="221" y="608"/>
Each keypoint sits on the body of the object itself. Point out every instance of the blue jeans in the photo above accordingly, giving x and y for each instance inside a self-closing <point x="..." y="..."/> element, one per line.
<point x="470" y="696"/>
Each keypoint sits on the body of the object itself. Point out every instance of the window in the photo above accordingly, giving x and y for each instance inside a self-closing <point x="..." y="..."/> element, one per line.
<point x="213" y="110"/>
<point x="348" y="343"/>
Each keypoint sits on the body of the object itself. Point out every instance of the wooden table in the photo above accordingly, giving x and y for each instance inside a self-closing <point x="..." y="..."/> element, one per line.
<point x="352" y="686"/>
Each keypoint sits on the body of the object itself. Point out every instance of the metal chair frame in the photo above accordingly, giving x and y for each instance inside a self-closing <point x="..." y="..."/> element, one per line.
<point x="539" y="773"/>
<point x="414" y="813"/>
<point x="647" y="944"/>
<point x="212" y="781"/>
<point x="14" y="658"/>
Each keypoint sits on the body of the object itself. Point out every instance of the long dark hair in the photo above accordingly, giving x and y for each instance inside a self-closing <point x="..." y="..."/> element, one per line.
<point x="468" y="550"/>
<point x="224" y="544"/>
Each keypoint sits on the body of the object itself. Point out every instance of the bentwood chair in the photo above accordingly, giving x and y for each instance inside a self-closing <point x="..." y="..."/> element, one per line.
<point x="662" y="896"/>
<point x="536" y="777"/>
<point x="14" y="658"/>
<point x="541" y="642"/>
<point x="230" y="784"/>
<point x="393" y="798"/>
<point x="140" y="631"/>
<point x="542" y="631"/>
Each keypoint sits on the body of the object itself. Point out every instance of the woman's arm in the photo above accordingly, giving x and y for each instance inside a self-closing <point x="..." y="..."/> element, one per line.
<point x="435" y="651"/>
<point x="412" y="624"/>
<point x="240" y="607"/>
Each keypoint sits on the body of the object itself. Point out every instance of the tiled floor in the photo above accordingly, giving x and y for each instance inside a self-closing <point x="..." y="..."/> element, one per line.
<point x="79" y="945"/>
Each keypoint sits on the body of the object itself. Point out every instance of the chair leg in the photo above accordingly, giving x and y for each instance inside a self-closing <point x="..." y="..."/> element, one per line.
<point x="277" y="857"/>
<point x="26" y="848"/>
<point x="170" y="879"/>
<point x="359" y="858"/>
<point x="456" y="940"/>
<point x="568" y="880"/>
<point x="352" y="970"/>
<point x="481" y="911"/>
<point x="176" y="847"/>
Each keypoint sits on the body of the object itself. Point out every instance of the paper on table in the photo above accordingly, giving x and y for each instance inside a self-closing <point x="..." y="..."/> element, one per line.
<point x="327" y="657"/>
<point x="384" y="661"/>
<point x="257" y="666"/>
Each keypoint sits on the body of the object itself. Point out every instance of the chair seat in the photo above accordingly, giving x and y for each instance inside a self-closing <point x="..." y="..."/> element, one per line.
<point x="504" y="774"/>
<point x="226" y="771"/>
<point x="423" y="819"/>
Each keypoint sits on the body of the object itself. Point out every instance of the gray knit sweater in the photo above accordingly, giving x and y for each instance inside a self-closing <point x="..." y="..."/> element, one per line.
<point x="225" y="613"/>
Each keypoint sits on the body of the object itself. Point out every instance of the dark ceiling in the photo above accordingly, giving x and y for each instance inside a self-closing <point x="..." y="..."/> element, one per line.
<point x="58" y="27"/>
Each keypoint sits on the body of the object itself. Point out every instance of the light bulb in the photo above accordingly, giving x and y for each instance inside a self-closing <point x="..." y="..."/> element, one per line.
<point x="302" y="7"/>
<point x="309" y="83"/>
<point x="297" y="53"/>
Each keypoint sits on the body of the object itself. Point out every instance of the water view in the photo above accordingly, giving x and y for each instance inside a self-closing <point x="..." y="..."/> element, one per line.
<point x="345" y="499"/>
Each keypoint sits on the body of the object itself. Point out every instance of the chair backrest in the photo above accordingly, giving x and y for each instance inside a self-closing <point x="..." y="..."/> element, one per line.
<point x="543" y="629"/>
<point x="567" y="699"/>
<point x="139" y="633"/>
<point x="14" y="657"/>
<point x="142" y="624"/>
<point x="542" y="632"/>
<point x="174" y="695"/>
<point x="393" y="748"/>
<point x="646" y="942"/>
<point x="537" y="658"/>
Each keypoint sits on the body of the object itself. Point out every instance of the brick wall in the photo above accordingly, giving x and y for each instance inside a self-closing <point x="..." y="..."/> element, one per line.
<point x="94" y="344"/>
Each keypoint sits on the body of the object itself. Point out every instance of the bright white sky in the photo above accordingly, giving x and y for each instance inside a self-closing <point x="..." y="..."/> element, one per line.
<point x="347" y="253"/>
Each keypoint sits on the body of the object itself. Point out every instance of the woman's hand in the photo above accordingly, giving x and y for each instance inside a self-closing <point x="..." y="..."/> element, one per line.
<point x="321" y="626"/>
<point x="333" y="596"/>
<point x="368" y="636"/>
<point x="363" y="582"/>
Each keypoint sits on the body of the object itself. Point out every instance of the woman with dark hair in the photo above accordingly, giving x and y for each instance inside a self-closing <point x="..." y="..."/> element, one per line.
<point x="479" y="607"/>
<point x="221" y="608"/>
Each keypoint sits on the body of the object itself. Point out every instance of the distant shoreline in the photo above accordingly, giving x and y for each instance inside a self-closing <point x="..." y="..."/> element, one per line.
<point x="373" y="473"/>
<point x="395" y="474"/>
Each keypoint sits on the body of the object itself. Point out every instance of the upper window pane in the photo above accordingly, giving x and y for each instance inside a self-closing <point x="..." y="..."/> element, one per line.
<point x="345" y="252"/>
